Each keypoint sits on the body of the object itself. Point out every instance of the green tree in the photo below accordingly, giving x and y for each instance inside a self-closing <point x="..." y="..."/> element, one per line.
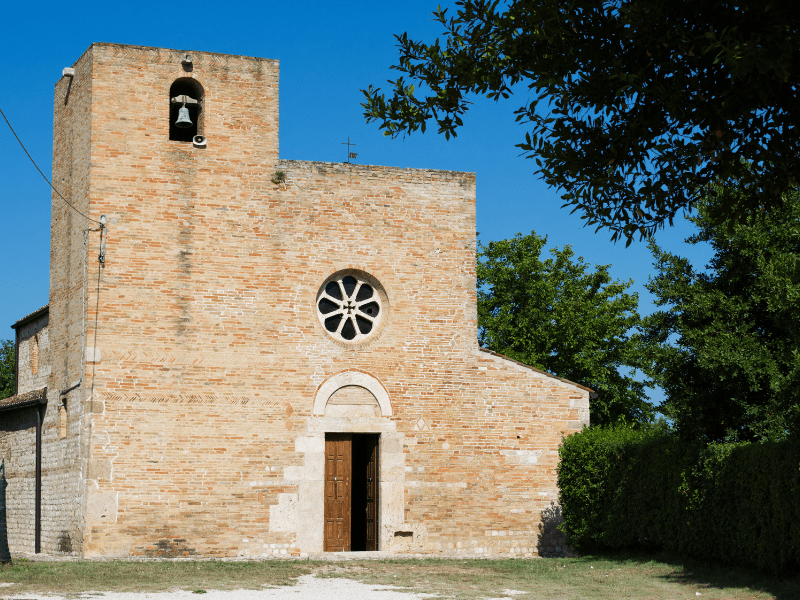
<point x="561" y="316"/>
<point x="727" y="342"/>
<point x="633" y="106"/>
<point x="6" y="368"/>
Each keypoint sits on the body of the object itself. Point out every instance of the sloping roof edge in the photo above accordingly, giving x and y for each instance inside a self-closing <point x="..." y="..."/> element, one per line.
<point x="522" y="364"/>
<point x="31" y="398"/>
<point x="34" y="315"/>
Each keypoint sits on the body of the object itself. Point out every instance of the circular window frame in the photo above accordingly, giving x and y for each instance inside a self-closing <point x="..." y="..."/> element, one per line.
<point x="379" y="296"/>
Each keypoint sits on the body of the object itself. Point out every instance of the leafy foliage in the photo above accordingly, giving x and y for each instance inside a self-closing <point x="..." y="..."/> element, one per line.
<point x="633" y="105"/>
<point x="596" y="468"/>
<point x="727" y="342"/>
<point x="563" y="317"/>
<point x="738" y="502"/>
<point x="6" y="368"/>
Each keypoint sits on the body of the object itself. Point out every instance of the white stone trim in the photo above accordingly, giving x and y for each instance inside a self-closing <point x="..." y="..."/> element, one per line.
<point x="368" y="382"/>
<point x="310" y="480"/>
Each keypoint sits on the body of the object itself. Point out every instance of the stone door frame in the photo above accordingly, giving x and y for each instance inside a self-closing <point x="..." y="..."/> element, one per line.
<point x="310" y="477"/>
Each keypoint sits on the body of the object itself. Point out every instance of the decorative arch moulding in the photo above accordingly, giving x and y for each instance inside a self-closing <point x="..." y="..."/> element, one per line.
<point x="351" y="377"/>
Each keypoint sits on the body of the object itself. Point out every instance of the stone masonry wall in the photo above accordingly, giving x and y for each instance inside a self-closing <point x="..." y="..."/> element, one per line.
<point x="17" y="443"/>
<point x="61" y="530"/>
<point x="207" y="353"/>
<point x="60" y="499"/>
<point x="18" y="434"/>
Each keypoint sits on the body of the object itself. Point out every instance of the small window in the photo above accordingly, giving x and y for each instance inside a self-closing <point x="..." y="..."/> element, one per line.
<point x="62" y="417"/>
<point x="185" y="93"/>
<point x="35" y="355"/>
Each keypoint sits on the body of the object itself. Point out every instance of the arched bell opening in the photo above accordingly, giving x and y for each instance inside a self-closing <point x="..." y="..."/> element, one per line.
<point x="185" y="109"/>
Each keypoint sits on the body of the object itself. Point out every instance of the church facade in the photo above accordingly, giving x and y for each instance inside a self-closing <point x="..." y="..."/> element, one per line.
<point x="250" y="356"/>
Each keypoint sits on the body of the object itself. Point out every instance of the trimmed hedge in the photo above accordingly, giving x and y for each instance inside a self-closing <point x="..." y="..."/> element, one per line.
<point x="622" y="488"/>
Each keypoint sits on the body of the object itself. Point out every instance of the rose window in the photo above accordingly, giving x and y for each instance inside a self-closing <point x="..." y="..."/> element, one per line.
<point x="349" y="308"/>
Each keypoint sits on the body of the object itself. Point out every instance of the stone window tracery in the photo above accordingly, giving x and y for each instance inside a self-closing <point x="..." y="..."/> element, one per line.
<point x="350" y="307"/>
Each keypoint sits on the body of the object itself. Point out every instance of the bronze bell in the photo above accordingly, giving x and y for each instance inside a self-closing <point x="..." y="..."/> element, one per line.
<point x="183" y="118"/>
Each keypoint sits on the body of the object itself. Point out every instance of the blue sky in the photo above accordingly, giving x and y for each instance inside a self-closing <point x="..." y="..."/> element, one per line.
<point x="328" y="52"/>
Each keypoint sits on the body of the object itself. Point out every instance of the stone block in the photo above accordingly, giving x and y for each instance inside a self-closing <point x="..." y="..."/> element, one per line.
<point x="101" y="507"/>
<point x="283" y="516"/>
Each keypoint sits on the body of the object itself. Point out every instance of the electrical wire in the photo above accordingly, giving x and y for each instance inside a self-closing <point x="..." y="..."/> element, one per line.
<point x="42" y="174"/>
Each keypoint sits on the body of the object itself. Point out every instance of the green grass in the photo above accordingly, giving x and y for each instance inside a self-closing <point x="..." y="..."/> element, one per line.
<point x="591" y="577"/>
<point x="127" y="576"/>
<point x="656" y="577"/>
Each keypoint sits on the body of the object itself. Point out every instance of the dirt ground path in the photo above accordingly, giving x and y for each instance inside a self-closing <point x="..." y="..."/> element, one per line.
<point x="308" y="587"/>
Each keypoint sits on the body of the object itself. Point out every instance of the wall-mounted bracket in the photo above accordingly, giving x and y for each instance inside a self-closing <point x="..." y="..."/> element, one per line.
<point x="184" y="100"/>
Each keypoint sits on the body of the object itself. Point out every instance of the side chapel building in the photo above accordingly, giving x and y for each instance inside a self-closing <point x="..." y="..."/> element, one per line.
<point x="256" y="356"/>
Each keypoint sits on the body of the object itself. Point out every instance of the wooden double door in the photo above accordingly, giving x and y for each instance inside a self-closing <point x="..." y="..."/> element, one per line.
<point x="351" y="492"/>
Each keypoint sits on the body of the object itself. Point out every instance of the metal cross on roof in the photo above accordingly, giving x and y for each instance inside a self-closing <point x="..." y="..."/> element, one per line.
<point x="349" y="154"/>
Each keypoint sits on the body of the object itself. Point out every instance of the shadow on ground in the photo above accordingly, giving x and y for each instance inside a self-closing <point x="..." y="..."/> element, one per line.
<point x="711" y="574"/>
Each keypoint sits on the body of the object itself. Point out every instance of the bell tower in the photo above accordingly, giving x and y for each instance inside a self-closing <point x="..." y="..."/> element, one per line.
<point x="160" y="141"/>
